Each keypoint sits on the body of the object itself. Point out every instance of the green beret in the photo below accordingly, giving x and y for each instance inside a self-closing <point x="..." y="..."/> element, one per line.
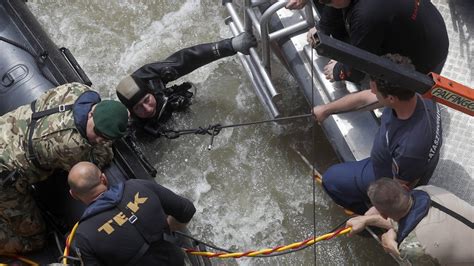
<point x="111" y="119"/>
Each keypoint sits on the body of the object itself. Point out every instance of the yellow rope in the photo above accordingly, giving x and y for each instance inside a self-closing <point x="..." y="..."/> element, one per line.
<point x="23" y="259"/>
<point x="68" y="243"/>
<point x="267" y="251"/>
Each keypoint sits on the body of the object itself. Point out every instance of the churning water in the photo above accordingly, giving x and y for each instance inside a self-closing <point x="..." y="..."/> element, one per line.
<point x="252" y="190"/>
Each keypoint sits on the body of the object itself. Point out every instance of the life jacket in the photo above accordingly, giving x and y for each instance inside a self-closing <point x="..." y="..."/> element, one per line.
<point x="418" y="211"/>
<point x="442" y="223"/>
<point x="122" y="224"/>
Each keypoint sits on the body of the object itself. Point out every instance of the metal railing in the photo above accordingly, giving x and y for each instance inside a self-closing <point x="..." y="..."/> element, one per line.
<point x="258" y="67"/>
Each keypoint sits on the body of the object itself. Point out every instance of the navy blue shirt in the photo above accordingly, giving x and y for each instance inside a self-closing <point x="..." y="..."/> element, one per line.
<point x="408" y="149"/>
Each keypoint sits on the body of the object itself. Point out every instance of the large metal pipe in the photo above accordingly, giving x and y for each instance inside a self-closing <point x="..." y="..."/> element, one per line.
<point x="274" y="95"/>
<point x="309" y="15"/>
<point x="255" y="77"/>
<point x="255" y="21"/>
<point x="247" y="20"/>
<point x="288" y="30"/>
<point x="264" y="22"/>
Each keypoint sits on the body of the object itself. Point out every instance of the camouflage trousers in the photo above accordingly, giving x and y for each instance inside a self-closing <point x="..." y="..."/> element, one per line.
<point x="22" y="229"/>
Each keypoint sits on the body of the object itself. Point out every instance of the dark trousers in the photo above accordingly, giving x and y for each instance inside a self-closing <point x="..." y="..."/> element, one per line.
<point x="347" y="183"/>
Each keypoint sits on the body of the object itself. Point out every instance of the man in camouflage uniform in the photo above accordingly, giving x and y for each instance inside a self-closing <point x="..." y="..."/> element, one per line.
<point x="70" y="124"/>
<point x="427" y="226"/>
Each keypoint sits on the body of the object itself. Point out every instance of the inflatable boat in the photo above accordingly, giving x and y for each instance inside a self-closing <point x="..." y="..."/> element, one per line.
<point x="30" y="64"/>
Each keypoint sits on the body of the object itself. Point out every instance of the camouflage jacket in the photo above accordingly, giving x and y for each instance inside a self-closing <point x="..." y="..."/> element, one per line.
<point x="56" y="140"/>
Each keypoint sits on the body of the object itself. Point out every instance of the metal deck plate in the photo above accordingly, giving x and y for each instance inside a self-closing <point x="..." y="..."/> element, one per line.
<point x="455" y="170"/>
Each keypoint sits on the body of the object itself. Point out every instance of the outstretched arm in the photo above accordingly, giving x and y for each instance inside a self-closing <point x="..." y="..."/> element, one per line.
<point x="349" y="102"/>
<point x="185" y="61"/>
<point x="189" y="59"/>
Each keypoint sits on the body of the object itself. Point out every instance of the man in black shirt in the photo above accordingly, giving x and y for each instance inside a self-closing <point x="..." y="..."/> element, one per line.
<point x="145" y="94"/>
<point x="412" y="28"/>
<point x="124" y="224"/>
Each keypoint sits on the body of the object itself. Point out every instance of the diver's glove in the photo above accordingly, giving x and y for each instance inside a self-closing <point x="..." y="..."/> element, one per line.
<point x="243" y="42"/>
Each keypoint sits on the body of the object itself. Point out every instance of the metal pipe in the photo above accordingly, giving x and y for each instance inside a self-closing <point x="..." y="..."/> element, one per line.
<point x="255" y="77"/>
<point x="288" y="30"/>
<point x="235" y="17"/>
<point x="308" y="11"/>
<point x="258" y="2"/>
<point x="265" y="20"/>
<point x="247" y="20"/>
<point x="274" y="95"/>
<point x="255" y="21"/>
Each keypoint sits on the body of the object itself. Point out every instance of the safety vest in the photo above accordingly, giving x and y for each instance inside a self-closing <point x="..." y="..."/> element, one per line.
<point x="444" y="233"/>
<point x="122" y="233"/>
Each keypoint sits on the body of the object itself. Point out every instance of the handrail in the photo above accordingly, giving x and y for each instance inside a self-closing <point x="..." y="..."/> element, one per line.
<point x="265" y="20"/>
<point x="264" y="31"/>
<point x="256" y="65"/>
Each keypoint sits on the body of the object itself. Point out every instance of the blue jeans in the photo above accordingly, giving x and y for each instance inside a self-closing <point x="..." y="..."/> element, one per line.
<point x="347" y="184"/>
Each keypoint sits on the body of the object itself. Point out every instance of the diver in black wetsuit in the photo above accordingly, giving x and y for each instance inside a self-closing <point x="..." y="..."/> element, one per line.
<point x="413" y="28"/>
<point x="145" y="94"/>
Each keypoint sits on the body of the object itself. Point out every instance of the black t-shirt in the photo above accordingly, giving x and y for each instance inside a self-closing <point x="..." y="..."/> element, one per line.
<point x="413" y="28"/>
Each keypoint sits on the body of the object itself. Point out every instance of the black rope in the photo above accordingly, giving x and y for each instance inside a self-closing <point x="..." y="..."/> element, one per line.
<point x="21" y="46"/>
<point x="201" y="242"/>
<point x="314" y="152"/>
<point x="214" y="130"/>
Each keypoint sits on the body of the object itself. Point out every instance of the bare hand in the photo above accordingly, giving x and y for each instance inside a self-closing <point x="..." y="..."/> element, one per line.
<point x="389" y="244"/>
<point x="357" y="223"/>
<point x="312" y="41"/>
<point x="372" y="211"/>
<point x="328" y="70"/>
<point x="296" y="4"/>
<point x="320" y="113"/>
<point x="174" y="224"/>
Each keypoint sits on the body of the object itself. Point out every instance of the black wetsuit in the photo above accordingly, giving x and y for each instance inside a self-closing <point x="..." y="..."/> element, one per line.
<point x="125" y="226"/>
<point x="156" y="75"/>
<point x="413" y="28"/>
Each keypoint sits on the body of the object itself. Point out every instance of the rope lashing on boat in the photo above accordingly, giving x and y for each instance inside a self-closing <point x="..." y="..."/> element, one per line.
<point x="268" y="252"/>
<point x="20" y="258"/>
